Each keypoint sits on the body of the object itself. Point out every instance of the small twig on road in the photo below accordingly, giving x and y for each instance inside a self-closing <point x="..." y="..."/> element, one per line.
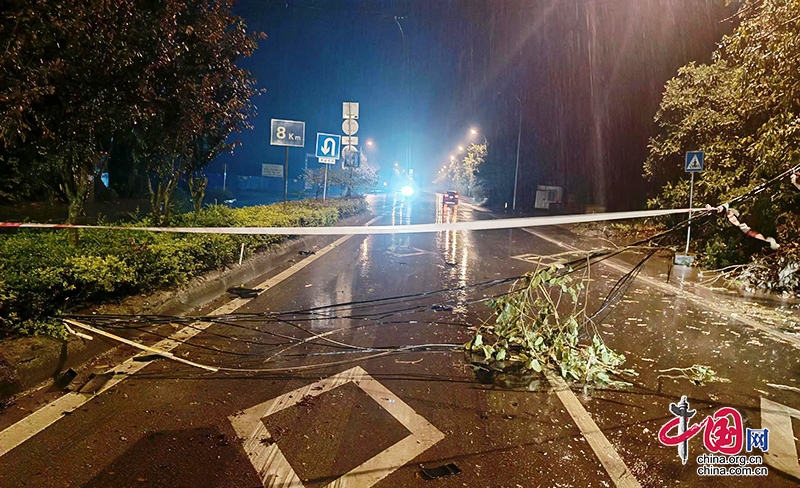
<point x="784" y="387"/>
<point x="409" y="362"/>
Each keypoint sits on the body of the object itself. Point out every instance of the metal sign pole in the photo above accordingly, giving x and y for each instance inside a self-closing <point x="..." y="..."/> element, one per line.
<point x="689" y="227"/>
<point x="325" y="185"/>
<point x="224" y="178"/>
<point x="286" y="178"/>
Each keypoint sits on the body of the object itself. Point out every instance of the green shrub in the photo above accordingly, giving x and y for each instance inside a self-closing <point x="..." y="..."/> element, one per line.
<point x="42" y="275"/>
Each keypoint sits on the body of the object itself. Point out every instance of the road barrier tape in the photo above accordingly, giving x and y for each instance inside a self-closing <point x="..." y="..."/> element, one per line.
<point x="733" y="218"/>
<point x="492" y="224"/>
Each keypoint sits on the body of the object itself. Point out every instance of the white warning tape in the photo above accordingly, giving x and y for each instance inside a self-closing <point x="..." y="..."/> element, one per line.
<point x="492" y="224"/>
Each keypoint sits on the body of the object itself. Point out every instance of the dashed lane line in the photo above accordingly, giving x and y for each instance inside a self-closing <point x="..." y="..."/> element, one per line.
<point x="602" y="447"/>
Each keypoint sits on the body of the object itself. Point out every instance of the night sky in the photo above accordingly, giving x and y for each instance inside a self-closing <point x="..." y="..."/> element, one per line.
<point x="590" y="75"/>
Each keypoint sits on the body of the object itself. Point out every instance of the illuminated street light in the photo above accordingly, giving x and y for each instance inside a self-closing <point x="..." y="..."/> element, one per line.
<point x="475" y="132"/>
<point x="460" y="148"/>
<point x="369" y="142"/>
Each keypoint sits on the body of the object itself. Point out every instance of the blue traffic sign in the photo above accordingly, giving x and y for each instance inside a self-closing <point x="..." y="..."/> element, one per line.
<point x="329" y="145"/>
<point x="287" y="133"/>
<point x="694" y="161"/>
<point x="352" y="158"/>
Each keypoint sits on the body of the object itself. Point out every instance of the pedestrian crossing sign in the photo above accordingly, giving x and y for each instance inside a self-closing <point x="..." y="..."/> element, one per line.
<point x="694" y="161"/>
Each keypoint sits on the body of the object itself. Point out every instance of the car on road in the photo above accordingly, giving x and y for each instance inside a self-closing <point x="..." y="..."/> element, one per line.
<point x="450" y="197"/>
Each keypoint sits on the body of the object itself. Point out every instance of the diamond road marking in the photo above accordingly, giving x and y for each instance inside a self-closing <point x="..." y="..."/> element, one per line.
<point x="275" y="471"/>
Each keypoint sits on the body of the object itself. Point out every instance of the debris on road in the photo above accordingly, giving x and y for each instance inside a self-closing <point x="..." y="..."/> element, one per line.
<point x="697" y="374"/>
<point x="244" y="292"/>
<point x="784" y="387"/>
<point x="440" y="472"/>
<point x="307" y="253"/>
<point x="308" y="401"/>
<point x="66" y="380"/>
<point x="408" y="362"/>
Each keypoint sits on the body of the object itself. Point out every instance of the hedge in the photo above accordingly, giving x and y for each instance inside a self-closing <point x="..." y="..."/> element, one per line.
<point x="42" y="275"/>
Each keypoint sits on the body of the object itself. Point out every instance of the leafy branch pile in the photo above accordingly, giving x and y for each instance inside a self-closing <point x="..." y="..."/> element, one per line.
<point x="43" y="273"/>
<point x="532" y="331"/>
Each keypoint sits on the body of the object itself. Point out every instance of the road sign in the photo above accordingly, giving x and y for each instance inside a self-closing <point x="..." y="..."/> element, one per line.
<point x="329" y="145"/>
<point x="352" y="157"/>
<point x="694" y="161"/>
<point x="287" y="133"/>
<point x="272" y="170"/>
<point x="350" y="127"/>
<point x="350" y="141"/>
<point x="326" y="161"/>
<point x="350" y="110"/>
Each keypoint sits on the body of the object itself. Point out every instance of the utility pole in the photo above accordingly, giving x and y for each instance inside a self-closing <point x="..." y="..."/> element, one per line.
<point x="519" y="143"/>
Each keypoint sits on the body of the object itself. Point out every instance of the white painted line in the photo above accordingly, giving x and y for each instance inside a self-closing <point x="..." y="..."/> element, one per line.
<point x="782" y="452"/>
<point x="42" y="418"/>
<point x="696" y="300"/>
<point x="608" y="456"/>
<point x="275" y="471"/>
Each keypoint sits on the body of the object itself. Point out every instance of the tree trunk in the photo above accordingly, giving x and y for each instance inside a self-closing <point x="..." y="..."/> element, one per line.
<point x="197" y="187"/>
<point x="76" y="181"/>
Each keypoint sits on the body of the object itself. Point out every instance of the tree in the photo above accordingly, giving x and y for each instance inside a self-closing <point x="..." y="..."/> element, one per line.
<point x="70" y="81"/>
<point x="316" y="177"/>
<point x="75" y="76"/>
<point x="197" y="97"/>
<point x="742" y="110"/>
<point x="463" y="171"/>
<point x="363" y="177"/>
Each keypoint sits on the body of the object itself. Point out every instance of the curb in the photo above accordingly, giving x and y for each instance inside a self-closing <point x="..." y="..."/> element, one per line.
<point x="26" y="362"/>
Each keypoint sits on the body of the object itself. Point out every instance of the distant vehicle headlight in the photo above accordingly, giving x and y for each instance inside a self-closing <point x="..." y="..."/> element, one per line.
<point x="407" y="191"/>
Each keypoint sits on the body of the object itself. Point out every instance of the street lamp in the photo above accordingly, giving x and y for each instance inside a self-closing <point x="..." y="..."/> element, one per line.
<point x="460" y="148"/>
<point x="519" y="139"/>
<point x="369" y="142"/>
<point x="474" y="131"/>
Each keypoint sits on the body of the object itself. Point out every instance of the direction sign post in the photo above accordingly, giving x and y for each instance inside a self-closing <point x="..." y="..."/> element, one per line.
<point x="329" y="147"/>
<point x="289" y="133"/>
<point x="694" y="164"/>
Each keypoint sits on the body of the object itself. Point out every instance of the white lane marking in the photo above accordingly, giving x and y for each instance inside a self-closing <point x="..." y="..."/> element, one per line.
<point x="42" y="418"/>
<point x="696" y="300"/>
<point x="782" y="452"/>
<point x="275" y="471"/>
<point x="608" y="456"/>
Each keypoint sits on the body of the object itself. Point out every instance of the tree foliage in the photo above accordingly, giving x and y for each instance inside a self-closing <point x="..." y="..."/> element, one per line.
<point x="463" y="172"/>
<point x="743" y="110"/>
<point x="352" y="180"/>
<point x="75" y="76"/>
<point x="538" y="324"/>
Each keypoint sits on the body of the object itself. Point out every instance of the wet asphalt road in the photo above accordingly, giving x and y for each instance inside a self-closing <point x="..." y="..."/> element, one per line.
<point x="171" y="425"/>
